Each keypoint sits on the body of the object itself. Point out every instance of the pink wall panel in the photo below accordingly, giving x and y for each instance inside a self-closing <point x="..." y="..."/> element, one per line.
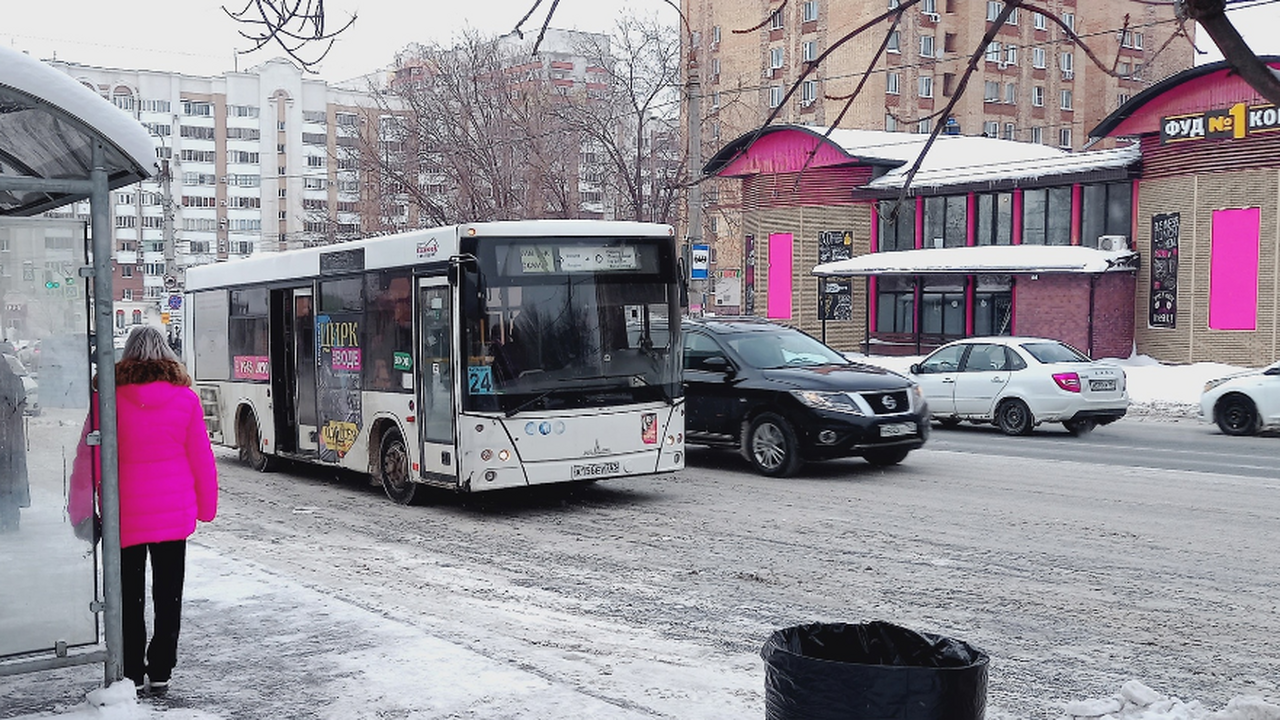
<point x="786" y="151"/>
<point x="780" y="276"/>
<point x="1233" y="270"/>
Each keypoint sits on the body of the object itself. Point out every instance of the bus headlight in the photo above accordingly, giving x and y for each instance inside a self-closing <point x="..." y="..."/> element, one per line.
<point x="504" y="455"/>
<point x="486" y="454"/>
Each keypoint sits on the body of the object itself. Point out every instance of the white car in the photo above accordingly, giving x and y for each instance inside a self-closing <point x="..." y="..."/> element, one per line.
<point x="1244" y="404"/>
<point x="1017" y="383"/>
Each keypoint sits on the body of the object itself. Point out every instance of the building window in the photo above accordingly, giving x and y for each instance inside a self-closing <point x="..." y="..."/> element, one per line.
<point x="991" y="91"/>
<point x="126" y="271"/>
<point x="946" y="220"/>
<point x="1105" y="209"/>
<point x="995" y="218"/>
<point x="929" y="7"/>
<point x="1037" y="135"/>
<point x="890" y="123"/>
<point x="1040" y="21"/>
<point x="775" y="58"/>
<point x="993" y="9"/>
<point x="894" y="39"/>
<point x="775" y="21"/>
<point x="809" y="92"/>
<point x="1037" y="96"/>
<point x="1010" y="54"/>
<point x="1121" y="99"/>
<point x="1009" y="131"/>
<point x="1132" y="40"/>
<point x="924" y="127"/>
<point x="993" y="52"/>
<point x="897" y="230"/>
<point x="1064" y="138"/>
<point x="810" y="11"/>
<point x="775" y="96"/>
<point x="942" y="305"/>
<point x="926" y="86"/>
<point x="1066" y="100"/>
<point x="891" y="83"/>
<point x="1067" y="62"/>
<point x="1011" y="93"/>
<point x="991" y="128"/>
<point x="893" y="4"/>
<point x="1046" y="216"/>
<point x="895" y="304"/>
<point x="1069" y="19"/>
<point x="926" y="46"/>
<point x="992" y="305"/>
<point x="809" y="50"/>
<point x="1038" y="58"/>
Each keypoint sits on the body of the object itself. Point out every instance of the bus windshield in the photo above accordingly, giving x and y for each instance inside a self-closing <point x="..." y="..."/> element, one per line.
<point x="570" y="323"/>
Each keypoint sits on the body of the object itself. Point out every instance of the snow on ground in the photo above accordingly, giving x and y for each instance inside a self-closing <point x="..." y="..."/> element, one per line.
<point x="1159" y="392"/>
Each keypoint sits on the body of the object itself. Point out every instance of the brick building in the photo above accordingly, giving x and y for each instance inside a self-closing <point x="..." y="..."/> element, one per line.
<point x="1207" y="217"/>
<point x="990" y="237"/>
<point x="1033" y="83"/>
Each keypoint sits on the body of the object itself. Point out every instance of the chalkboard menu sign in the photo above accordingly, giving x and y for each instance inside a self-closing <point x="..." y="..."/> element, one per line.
<point x="1164" y="270"/>
<point x="835" y="295"/>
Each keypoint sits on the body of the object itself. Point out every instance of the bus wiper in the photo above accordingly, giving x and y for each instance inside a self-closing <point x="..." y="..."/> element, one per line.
<point x="530" y="402"/>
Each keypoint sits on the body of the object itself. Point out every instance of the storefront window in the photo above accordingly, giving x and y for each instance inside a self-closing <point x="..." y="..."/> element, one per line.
<point x="993" y="305"/>
<point x="895" y="305"/>
<point x="942" y="306"/>
<point x="897" y="225"/>
<point x="995" y="218"/>
<point x="1106" y="210"/>
<point x="945" y="220"/>
<point x="1046" y="216"/>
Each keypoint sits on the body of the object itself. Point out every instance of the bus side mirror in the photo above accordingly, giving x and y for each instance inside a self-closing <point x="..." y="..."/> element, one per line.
<point x="684" y="284"/>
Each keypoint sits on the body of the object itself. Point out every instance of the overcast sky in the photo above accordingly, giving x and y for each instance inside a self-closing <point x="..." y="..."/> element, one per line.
<point x="197" y="37"/>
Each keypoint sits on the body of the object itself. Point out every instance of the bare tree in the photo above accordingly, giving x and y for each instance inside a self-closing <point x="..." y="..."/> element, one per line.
<point x="292" y="24"/>
<point x="629" y="114"/>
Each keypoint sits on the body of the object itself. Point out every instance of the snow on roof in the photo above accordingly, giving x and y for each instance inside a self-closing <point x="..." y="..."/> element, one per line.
<point x="961" y="159"/>
<point x="999" y="259"/>
<point x="48" y="125"/>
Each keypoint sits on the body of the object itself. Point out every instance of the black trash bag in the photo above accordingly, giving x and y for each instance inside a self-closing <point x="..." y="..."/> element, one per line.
<point x="873" y="671"/>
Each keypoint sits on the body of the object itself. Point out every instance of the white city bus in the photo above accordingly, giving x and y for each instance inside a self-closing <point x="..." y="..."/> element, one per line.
<point x="471" y="357"/>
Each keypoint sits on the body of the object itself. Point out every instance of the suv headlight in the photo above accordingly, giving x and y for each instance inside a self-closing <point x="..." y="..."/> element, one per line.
<point x="833" y="401"/>
<point x="1214" y="383"/>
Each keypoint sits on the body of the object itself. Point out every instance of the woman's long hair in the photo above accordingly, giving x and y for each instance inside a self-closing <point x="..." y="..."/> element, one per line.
<point x="146" y="342"/>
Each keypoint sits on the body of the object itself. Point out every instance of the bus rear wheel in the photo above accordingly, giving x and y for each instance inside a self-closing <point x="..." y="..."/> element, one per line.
<point x="250" y="443"/>
<point x="393" y="470"/>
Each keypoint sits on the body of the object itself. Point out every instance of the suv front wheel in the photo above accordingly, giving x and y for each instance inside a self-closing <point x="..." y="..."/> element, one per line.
<point x="769" y="443"/>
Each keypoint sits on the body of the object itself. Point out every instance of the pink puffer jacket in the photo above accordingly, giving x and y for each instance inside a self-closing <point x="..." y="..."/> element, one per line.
<point x="168" y="477"/>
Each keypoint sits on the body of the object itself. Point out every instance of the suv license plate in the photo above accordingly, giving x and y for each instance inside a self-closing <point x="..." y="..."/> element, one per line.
<point x="1102" y="384"/>
<point x="594" y="470"/>
<point x="897" y="429"/>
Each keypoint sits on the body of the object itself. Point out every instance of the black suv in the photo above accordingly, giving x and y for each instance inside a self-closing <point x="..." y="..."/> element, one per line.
<point x="782" y="397"/>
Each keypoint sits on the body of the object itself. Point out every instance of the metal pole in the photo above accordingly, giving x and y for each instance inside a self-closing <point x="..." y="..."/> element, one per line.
<point x="106" y="397"/>
<point x="693" y="234"/>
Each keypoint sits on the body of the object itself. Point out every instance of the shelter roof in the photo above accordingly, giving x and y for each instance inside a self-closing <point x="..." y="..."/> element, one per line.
<point x="48" y="126"/>
<point x="983" y="259"/>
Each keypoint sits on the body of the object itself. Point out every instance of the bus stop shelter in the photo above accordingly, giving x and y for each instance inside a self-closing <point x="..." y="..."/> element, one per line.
<point x="61" y="144"/>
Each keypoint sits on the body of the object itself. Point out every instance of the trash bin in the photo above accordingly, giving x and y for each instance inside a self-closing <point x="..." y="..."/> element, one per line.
<point x="871" y="671"/>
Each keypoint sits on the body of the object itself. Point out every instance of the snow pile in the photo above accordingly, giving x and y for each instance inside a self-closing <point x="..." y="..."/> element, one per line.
<point x="1136" y="701"/>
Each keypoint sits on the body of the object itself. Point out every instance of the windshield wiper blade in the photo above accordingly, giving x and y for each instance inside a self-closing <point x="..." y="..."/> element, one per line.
<point x="530" y="402"/>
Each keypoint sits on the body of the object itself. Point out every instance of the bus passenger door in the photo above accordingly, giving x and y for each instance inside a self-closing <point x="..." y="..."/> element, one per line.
<point x="303" y="370"/>
<point x="436" y="378"/>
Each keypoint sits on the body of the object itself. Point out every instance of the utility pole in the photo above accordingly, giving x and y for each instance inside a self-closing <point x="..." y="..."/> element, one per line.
<point x="170" y="251"/>
<point x="693" y="233"/>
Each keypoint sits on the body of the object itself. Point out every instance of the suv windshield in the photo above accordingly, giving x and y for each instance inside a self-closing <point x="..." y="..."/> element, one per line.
<point x="783" y="348"/>
<point x="1054" y="352"/>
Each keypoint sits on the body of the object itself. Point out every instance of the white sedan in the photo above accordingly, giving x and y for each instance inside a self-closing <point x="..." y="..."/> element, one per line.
<point x="1244" y="404"/>
<point x="1017" y="383"/>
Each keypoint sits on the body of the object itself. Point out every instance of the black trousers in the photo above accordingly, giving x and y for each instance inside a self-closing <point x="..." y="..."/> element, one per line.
<point x="168" y="568"/>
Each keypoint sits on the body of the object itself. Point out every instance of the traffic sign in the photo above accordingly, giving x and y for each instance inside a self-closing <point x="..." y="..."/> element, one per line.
<point x="175" y="302"/>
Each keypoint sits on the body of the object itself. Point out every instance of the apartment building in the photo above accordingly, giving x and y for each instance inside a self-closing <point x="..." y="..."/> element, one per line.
<point x="253" y="161"/>
<point x="1032" y="83"/>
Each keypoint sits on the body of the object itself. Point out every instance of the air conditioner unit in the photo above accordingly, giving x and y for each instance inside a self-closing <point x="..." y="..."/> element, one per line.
<point x="933" y="16"/>
<point x="1113" y="243"/>
<point x="806" y="103"/>
<point x="1002" y="64"/>
<point x="1068" y="75"/>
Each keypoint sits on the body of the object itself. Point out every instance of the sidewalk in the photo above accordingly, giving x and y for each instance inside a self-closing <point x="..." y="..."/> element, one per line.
<point x="255" y="645"/>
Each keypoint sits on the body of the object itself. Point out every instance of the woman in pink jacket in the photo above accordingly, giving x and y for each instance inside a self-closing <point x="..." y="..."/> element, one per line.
<point x="168" y="481"/>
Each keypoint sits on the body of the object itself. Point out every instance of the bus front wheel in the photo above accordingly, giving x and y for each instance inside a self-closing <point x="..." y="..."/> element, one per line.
<point x="393" y="469"/>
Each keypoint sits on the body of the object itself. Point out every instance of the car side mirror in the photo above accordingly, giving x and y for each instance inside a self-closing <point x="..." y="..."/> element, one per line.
<point x="914" y="369"/>
<point x="718" y="363"/>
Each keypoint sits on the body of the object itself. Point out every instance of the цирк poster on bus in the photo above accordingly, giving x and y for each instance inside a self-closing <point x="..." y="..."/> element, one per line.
<point x="1164" y="270"/>
<point x="338" y="383"/>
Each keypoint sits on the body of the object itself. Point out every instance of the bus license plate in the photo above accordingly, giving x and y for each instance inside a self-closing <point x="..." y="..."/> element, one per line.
<point x="594" y="470"/>
<point x="1102" y="384"/>
<point x="897" y="429"/>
